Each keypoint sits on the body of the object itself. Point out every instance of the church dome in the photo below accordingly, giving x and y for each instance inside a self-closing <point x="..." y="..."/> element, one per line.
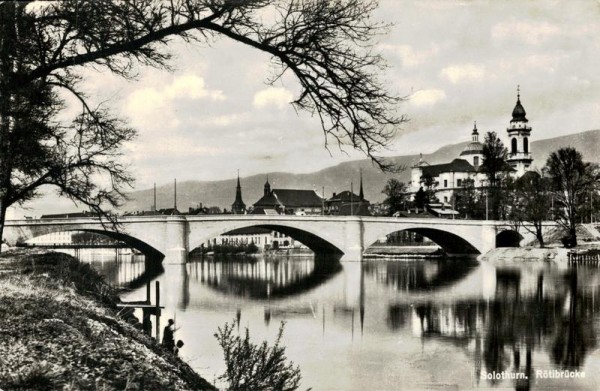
<point x="473" y="148"/>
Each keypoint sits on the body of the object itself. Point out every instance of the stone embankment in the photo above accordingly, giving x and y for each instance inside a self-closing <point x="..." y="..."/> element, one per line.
<point x="584" y="254"/>
<point x="60" y="329"/>
<point x="395" y="252"/>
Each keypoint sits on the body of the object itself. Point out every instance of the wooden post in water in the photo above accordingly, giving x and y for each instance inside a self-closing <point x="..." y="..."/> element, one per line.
<point x="148" y="309"/>
<point x="146" y="322"/>
<point x="157" y="313"/>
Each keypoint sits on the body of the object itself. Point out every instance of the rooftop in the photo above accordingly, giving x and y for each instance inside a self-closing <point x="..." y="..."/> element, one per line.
<point x="291" y="198"/>
<point x="345" y="196"/>
<point x="456" y="165"/>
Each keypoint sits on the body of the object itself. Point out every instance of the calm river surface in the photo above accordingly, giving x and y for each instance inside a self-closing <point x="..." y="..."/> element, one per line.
<point x="386" y="325"/>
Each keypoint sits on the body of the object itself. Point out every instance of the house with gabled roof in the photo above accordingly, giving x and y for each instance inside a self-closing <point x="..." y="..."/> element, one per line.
<point x="288" y="201"/>
<point x="346" y="203"/>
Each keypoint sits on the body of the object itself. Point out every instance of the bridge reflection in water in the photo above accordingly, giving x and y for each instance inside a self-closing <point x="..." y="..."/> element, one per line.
<point x="409" y="324"/>
<point x="264" y="278"/>
<point x="123" y="270"/>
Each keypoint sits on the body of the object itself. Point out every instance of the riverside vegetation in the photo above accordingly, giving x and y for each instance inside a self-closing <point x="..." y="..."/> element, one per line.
<point x="60" y="329"/>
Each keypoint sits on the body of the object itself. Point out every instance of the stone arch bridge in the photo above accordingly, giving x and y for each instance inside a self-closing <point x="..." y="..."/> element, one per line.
<point x="349" y="236"/>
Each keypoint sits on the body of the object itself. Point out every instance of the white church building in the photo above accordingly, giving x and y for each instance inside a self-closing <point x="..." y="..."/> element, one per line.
<point x="449" y="177"/>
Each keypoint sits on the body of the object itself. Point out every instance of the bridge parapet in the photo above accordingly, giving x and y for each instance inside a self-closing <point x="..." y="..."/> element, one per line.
<point x="174" y="236"/>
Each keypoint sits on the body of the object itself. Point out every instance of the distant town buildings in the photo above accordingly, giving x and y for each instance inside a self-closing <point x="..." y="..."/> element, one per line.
<point x="446" y="178"/>
<point x="347" y="203"/>
<point x="54" y="238"/>
<point x="263" y="238"/>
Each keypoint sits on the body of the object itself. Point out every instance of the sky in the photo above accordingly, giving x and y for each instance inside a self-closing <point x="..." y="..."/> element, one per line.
<point x="456" y="61"/>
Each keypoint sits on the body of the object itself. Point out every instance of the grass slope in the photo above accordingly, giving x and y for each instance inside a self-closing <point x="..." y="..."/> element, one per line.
<point x="59" y="330"/>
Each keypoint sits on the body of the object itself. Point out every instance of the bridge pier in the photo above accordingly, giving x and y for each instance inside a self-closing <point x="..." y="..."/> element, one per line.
<point x="488" y="238"/>
<point x="176" y="239"/>
<point x="353" y="240"/>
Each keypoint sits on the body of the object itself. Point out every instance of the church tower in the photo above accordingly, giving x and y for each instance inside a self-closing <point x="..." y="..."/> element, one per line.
<point x="238" y="207"/>
<point x="519" y="155"/>
<point x="267" y="187"/>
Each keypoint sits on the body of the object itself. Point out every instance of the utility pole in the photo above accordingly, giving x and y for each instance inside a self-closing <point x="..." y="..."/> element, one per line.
<point x="323" y="203"/>
<point x="487" y="195"/>
<point x="154" y="207"/>
<point x="175" y="195"/>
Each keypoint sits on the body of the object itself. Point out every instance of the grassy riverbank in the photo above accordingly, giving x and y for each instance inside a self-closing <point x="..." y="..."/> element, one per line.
<point x="59" y="329"/>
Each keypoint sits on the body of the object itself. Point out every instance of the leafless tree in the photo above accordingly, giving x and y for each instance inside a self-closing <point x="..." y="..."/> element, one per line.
<point x="572" y="179"/>
<point x="328" y="45"/>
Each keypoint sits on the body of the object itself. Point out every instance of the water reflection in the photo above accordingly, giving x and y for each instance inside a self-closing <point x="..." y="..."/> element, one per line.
<point x="409" y="324"/>
<point x="121" y="268"/>
<point x="263" y="278"/>
<point x="557" y="316"/>
<point x="420" y="275"/>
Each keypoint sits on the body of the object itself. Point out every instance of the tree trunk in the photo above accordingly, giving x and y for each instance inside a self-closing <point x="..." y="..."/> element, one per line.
<point x="2" y="218"/>
<point x="573" y="236"/>
<point x="539" y="235"/>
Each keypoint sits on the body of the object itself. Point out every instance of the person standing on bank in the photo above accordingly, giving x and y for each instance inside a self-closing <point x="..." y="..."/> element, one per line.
<point x="168" y="335"/>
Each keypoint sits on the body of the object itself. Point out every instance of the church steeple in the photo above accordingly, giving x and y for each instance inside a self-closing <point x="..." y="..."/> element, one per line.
<point x="519" y="155"/>
<point x="238" y="206"/>
<point x="519" y="114"/>
<point x="267" y="188"/>
<point x="361" y="194"/>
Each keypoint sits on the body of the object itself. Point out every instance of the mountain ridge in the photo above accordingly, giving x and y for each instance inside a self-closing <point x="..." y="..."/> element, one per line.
<point x="335" y="178"/>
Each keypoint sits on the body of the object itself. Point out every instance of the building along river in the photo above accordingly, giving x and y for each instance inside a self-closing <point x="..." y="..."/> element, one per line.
<point x="385" y="325"/>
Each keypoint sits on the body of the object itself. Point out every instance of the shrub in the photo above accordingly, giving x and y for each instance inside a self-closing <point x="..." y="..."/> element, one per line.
<point x="251" y="248"/>
<point x="256" y="367"/>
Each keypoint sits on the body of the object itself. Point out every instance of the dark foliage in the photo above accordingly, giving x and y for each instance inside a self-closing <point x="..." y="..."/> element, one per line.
<point x="495" y="167"/>
<point x="396" y="197"/>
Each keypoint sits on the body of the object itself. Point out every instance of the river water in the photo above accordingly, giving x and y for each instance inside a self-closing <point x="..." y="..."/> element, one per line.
<point x="385" y="325"/>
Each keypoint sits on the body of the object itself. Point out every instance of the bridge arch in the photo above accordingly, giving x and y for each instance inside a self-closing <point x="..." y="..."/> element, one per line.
<point x="450" y="242"/>
<point x="508" y="238"/>
<point x="309" y="238"/>
<point x="150" y="251"/>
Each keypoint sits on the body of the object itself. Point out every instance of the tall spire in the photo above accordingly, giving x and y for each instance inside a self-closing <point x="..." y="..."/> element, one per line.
<point x="238" y="206"/>
<point x="361" y="194"/>
<point x="267" y="188"/>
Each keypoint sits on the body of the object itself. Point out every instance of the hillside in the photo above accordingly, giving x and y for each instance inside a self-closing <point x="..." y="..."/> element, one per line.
<point x="61" y="330"/>
<point x="336" y="178"/>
